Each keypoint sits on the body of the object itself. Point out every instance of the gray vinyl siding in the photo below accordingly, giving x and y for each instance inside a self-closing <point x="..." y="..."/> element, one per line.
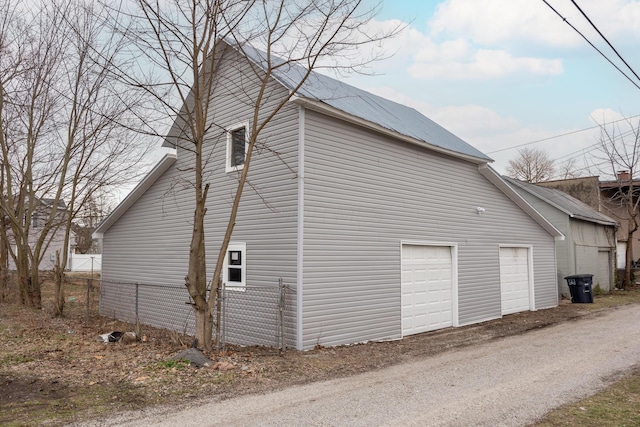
<point x="364" y="194"/>
<point x="150" y="242"/>
<point x="589" y="240"/>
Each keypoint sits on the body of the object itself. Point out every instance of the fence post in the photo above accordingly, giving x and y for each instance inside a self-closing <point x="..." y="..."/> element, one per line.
<point x="283" y="344"/>
<point x="221" y="312"/>
<point x="136" y="307"/>
<point x="88" y="308"/>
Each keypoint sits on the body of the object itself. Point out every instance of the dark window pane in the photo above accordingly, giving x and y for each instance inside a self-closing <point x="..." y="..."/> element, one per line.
<point x="235" y="258"/>
<point x="235" y="275"/>
<point x="237" y="147"/>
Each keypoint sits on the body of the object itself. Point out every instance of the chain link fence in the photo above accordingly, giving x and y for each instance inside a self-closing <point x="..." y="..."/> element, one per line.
<point x="251" y="315"/>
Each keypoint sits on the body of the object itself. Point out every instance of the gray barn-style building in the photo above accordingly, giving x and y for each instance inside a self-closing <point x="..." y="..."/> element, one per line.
<point x="383" y="223"/>
<point x="589" y="246"/>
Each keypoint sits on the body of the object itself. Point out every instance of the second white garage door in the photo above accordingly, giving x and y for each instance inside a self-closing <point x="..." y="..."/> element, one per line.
<point x="514" y="279"/>
<point x="427" y="288"/>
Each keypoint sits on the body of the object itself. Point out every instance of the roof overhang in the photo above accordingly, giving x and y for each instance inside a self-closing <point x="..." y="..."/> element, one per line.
<point x="135" y="194"/>
<point x="562" y="209"/>
<point x="323" y="108"/>
<point x="512" y="194"/>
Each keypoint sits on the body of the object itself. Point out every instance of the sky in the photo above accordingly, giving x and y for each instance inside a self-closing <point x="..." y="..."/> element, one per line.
<point x="502" y="74"/>
<point x="509" y="74"/>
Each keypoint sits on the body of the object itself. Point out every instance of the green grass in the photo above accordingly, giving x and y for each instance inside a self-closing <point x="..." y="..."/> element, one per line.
<point x="171" y="364"/>
<point x="616" y="406"/>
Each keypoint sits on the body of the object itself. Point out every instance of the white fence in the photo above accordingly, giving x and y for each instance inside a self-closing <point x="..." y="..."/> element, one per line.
<point x="85" y="262"/>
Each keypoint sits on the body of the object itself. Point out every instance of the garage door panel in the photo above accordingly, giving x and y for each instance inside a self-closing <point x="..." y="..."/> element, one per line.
<point x="514" y="279"/>
<point x="427" y="287"/>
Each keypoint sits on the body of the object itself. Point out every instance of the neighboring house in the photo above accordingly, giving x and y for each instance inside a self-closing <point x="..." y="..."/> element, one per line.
<point x="383" y="223"/>
<point x="56" y="240"/>
<point x="610" y="192"/>
<point x="85" y="253"/>
<point x="590" y="237"/>
<point x="603" y="197"/>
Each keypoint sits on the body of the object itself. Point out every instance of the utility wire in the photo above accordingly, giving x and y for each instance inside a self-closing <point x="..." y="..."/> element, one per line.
<point x="561" y="135"/>
<point x="604" y="38"/>
<point x="592" y="45"/>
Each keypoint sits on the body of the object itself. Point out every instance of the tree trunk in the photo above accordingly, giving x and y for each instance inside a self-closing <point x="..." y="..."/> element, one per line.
<point x="28" y="282"/>
<point x="628" y="268"/>
<point x="31" y="293"/>
<point x="4" y="282"/>
<point x="58" y="272"/>
<point x="204" y="327"/>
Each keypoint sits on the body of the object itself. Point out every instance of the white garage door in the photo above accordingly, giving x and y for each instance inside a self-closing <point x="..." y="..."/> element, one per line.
<point x="514" y="279"/>
<point x="427" y="288"/>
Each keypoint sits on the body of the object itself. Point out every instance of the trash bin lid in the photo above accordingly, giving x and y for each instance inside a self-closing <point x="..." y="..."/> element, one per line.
<point x="579" y="276"/>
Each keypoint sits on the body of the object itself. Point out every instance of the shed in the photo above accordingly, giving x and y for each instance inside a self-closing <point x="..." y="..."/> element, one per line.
<point x="590" y="243"/>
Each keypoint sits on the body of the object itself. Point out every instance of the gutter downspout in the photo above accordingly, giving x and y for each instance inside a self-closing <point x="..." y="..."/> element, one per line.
<point x="300" y="231"/>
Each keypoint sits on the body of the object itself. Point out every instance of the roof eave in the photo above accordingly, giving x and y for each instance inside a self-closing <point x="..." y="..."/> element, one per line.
<point x="541" y="197"/>
<point x="594" y="220"/>
<point x="155" y="173"/>
<point x="334" y="112"/>
<point x="561" y="208"/>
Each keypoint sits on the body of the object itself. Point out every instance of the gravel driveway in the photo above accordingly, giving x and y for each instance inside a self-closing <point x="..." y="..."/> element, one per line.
<point x="506" y="382"/>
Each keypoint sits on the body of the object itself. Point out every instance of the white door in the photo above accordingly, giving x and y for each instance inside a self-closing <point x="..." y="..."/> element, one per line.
<point x="514" y="279"/>
<point x="603" y="278"/>
<point x="427" y="288"/>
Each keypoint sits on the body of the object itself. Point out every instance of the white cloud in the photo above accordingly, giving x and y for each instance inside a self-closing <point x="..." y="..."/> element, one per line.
<point x="600" y="116"/>
<point x="466" y="121"/>
<point x="459" y="56"/>
<point x="516" y="21"/>
<point x="484" y="64"/>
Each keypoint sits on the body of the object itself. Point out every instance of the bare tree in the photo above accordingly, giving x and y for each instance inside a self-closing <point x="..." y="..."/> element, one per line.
<point x="620" y="149"/>
<point x="567" y="170"/>
<point x="531" y="165"/>
<point x="87" y="219"/>
<point x="188" y="42"/>
<point x="64" y="124"/>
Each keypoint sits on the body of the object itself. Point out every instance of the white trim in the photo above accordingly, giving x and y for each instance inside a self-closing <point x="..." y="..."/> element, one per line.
<point x="235" y="286"/>
<point x="455" y="322"/>
<point x="229" y="131"/>
<point x="532" y="299"/>
<point x="158" y="170"/>
<point x="300" y="231"/>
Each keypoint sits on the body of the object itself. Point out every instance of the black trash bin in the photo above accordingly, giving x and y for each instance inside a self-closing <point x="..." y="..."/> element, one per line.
<point x="580" y="288"/>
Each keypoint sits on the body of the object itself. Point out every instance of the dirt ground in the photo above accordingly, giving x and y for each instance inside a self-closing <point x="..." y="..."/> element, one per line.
<point x="54" y="370"/>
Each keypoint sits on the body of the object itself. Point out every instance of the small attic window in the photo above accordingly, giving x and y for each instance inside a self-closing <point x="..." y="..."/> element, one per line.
<point x="236" y="147"/>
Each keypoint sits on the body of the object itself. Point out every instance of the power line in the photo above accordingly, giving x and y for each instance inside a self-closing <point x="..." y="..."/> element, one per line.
<point x="561" y="135"/>
<point x="592" y="45"/>
<point x="604" y="38"/>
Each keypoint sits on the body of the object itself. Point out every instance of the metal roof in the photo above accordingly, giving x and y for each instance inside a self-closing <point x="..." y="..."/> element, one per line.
<point x="359" y="103"/>
<point x="564" y="202"/>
